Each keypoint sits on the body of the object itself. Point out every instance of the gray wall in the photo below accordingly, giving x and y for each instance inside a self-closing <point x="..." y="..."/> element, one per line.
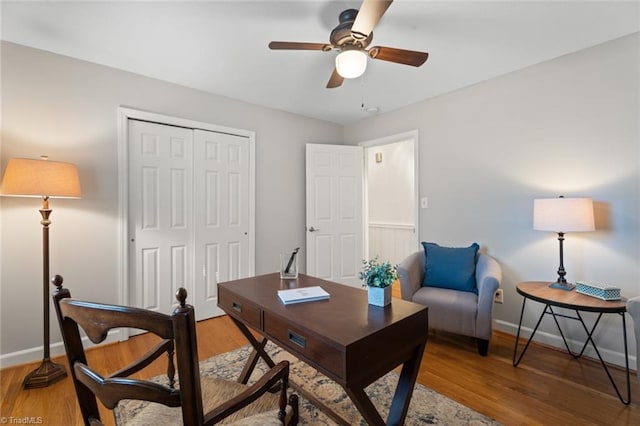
<point x="568" y="126"/>
<point x="66" y="109"/>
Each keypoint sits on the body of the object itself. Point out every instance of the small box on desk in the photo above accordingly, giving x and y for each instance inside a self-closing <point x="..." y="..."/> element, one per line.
<point x="598" y="290"/>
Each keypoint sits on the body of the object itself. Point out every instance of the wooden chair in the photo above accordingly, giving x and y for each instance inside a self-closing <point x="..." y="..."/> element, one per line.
<point x="224" y="401"/>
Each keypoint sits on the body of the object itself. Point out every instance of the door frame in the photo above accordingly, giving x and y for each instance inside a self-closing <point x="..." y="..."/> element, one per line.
<point x="124" y="115"/>
<point x="386" y="140"/>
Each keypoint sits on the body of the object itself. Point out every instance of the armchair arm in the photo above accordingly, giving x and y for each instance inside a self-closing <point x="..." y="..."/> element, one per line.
<point x="633" y="307"/>
<point x="411" y="274"/>
<point x="488" y="278"/>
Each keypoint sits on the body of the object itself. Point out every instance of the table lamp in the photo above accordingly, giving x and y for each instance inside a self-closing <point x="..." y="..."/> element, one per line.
<point x="563" y="215"/>
<point x="47" y="179"/>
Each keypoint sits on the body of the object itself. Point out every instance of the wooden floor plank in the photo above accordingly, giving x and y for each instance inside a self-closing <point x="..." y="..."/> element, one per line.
<point x="548" y="387"/>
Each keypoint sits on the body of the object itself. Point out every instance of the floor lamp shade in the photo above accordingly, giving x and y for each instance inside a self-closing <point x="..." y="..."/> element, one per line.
<point x="25" y="177"/>
<point x="47" y="179"/>
<point x="562" y="215"/>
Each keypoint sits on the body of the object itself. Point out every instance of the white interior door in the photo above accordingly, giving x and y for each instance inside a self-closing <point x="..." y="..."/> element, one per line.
<point x="189" y="214"/>
<point x="222" y="215"/>
<point x="334" y="214"/>
<point x="160" y="201"/>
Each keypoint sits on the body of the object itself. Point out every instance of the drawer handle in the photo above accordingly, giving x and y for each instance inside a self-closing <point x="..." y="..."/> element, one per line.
<point x="297" y="339"/>
<point x="237" y="306"/>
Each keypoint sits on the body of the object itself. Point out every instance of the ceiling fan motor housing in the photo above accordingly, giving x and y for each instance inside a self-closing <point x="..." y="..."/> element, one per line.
<point x="341" y="35"/>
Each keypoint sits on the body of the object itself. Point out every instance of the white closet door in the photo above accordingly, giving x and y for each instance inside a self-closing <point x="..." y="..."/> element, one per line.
<point x="160" y="213"/>
<point x="221" y="215"/>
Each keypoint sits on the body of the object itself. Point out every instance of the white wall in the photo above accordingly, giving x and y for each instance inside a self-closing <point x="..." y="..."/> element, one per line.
<point x="568" y="126"/>
<point x="66" y="109"/>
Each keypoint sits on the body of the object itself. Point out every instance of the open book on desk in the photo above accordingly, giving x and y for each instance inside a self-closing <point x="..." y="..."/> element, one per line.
<point x="302" y="294"/>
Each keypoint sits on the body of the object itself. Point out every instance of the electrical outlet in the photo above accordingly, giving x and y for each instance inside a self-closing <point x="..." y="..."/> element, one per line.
<point x="499" y="296"/>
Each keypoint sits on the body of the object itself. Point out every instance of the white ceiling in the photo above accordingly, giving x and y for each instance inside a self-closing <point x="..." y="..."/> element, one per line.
<point x="221" y="46"/>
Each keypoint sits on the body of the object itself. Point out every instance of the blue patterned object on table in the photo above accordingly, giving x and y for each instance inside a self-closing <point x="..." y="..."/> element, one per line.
<point x="601" y="291"/>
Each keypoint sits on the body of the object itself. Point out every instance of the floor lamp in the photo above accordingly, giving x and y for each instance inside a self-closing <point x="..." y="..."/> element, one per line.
<point x="47" y="179"/>
<point x="563" y="215"/>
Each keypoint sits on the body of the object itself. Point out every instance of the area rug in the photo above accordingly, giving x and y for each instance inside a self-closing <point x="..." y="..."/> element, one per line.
<point x="426" y="407"/>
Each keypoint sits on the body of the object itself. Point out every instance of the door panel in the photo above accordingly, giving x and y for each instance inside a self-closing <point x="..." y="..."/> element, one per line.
<point x="334" y="212"/>
<point x="160" y="211"/>
<point x="222" y="214"/>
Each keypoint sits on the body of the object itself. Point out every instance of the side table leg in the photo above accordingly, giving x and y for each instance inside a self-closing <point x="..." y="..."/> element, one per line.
<point x="515" y="349"/>
<point x="604" y="364"/>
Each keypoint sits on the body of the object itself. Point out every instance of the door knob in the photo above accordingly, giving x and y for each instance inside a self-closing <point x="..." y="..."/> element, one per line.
<point x="312" y="229"/>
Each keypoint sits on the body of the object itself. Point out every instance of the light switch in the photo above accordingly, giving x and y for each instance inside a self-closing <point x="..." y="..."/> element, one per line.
<point x="424" y="202"/>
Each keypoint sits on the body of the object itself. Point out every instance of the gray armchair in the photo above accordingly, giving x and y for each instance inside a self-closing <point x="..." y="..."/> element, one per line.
<point x="633" y="307"/>
<point x="454" y="311"/>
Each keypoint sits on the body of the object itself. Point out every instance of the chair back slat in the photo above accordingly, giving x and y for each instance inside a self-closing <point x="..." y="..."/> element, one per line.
<point x="110" y="391"/>
<point x="96" y="319"/>
<point x="165" y="346"/>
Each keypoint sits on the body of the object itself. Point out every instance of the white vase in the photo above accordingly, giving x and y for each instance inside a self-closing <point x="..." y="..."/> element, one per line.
<point x="379" y="296"/>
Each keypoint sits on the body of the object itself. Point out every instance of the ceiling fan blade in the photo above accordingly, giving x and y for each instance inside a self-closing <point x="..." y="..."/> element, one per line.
<point x="368" y="17"/>
<point x="335" y="80"/>
<point x="292" y="45"/>
<point x="399" y="56"/>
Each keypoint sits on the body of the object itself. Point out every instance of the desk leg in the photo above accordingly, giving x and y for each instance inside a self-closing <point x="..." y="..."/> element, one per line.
<point x="258" y="352"/>
<point x="404" y="389"/>
<point x="401" y="397"/>
<point x="364" y="405"/>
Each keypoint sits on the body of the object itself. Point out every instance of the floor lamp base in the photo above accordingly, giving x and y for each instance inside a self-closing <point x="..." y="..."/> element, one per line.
<point x="47" y="373"/>
<point x="562" y="286"/>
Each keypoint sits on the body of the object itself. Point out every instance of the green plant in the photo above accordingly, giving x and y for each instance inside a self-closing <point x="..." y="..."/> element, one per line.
<point x="375" y="274"/>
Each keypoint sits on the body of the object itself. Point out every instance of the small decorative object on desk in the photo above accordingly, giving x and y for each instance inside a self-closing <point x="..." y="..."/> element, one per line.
<point x="599" y="290"/>
<point x="378" y="278"/>
<point x="289" y="264"/>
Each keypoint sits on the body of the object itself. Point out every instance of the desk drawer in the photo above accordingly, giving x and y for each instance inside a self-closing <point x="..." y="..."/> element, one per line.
<point x="240" y="308"/>
<point x="317" y="352"/>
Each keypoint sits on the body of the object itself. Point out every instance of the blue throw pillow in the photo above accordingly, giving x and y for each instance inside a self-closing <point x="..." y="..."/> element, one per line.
<point x="450" y="267"/>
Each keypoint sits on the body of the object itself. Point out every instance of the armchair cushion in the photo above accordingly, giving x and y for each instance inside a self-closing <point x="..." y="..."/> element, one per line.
<point x="452" y="268"/>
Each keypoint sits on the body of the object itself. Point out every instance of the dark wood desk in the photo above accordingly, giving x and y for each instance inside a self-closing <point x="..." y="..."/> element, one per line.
<point x="343" y="337"/>
<point x="550" y="297"/>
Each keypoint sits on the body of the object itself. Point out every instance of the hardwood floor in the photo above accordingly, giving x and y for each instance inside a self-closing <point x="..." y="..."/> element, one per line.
<point x="547" y="388"/>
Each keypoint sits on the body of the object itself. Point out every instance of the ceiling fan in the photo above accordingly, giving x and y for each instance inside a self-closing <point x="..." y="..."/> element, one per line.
<point x="351" y="37"/>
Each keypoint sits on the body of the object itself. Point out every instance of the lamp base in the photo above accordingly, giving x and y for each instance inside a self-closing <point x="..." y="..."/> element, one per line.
<point x="47" y="373"/>
<point x="562" y="286"/>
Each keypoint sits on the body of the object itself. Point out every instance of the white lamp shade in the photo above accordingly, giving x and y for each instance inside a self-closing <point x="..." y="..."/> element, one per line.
<point x="39" y="178"/>
<point x="351" y="63"/>
<point x="563" y="214"/>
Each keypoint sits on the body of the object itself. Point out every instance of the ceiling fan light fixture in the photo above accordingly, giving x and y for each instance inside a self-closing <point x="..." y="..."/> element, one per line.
<point x="351" y="63"/>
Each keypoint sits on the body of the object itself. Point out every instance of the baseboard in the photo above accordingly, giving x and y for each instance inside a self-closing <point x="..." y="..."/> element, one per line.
<point x="56" y="349"/>
<point x="612" y="357"/>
